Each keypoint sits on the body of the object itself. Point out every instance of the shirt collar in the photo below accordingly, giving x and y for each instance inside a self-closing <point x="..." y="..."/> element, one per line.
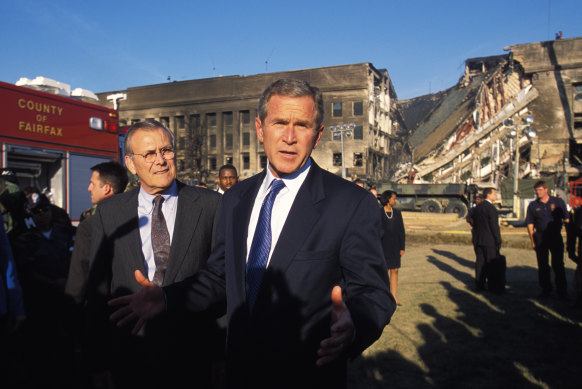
<point x="292" y="181"/>
<point x="146" y="200"/>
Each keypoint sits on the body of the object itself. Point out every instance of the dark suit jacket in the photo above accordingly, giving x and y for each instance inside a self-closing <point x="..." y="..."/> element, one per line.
<point x="116" y="253"/>
<point x="486" y="225"/>
<point x="331" y="237"/>
<point x="79" y="267"/>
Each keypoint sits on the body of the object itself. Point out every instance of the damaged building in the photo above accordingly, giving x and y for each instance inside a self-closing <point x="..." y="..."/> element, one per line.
<point x="213" y="120"/>
<point x="517" y="113"/>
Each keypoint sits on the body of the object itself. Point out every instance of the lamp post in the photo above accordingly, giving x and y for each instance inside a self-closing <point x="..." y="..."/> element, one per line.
<point x="513" y="133"/>
<point x="341" y="129"/>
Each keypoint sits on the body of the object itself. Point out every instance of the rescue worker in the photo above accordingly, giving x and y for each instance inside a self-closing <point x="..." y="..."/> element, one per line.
<point x="544" y="224"/>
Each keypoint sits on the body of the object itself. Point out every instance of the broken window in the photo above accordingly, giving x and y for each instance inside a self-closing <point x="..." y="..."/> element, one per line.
<point x="358" y="132"/>
<point x="245" y="117"/>
<point x="211" y="119"/>
<point x="212" y="163"/>
<point x="227" y="118"/>
<point x="358" y="108"/>
<point x="194" y="121"/>
<point x="358" y="159"/>
<point x="179" y="121"/>
<point x="246" y="161"/>
<point x="337" y="109"/>
<point x="263" y="161"/>
<point x="337" y="159"/>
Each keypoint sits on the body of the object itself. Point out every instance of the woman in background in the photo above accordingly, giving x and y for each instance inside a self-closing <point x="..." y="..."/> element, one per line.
<point x="393" y="238"/>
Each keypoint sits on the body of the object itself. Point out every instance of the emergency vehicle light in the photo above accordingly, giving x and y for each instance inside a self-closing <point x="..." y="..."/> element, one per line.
<point x="96" y="123"/>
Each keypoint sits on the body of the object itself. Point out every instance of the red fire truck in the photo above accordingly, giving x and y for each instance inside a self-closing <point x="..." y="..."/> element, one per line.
<point x="52" y="141"/>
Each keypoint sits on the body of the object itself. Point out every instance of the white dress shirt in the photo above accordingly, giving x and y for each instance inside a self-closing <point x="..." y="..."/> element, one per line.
<point x="281" y="206"/>
<point x="144" y="212"/>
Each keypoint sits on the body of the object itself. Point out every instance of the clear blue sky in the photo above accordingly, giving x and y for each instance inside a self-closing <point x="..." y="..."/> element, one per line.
<point x="111" y="45"/>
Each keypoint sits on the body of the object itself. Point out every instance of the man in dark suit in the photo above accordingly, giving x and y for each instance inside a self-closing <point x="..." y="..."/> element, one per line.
<point x="107" y="179"/>
<point x="486" y="234"/>
<point x="295" y="329"/>
<point x="164" y="229"/>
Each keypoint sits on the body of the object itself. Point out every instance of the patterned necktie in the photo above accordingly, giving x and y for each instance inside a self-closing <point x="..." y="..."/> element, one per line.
<point x="160" y="241"/>
<point x="261" y="246"/>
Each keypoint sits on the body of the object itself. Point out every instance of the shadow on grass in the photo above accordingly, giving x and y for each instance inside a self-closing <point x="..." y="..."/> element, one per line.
<point x="465" y="278"/>
<point x="485" y="341"/>
<point x="460" y="260"/>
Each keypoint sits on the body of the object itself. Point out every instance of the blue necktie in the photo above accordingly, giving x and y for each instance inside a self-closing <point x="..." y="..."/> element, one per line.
<point x="261" y="246"/>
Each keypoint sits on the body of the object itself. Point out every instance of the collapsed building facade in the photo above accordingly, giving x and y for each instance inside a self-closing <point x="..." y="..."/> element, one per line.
<point x="213" y="120"/>
<point x="481" y="130"/>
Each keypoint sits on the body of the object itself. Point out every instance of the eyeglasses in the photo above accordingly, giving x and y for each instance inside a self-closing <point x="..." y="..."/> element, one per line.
<point x="150" y="156"/>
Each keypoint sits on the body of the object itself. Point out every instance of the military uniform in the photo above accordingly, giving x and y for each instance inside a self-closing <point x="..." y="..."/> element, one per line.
<point x="547" y="221"/>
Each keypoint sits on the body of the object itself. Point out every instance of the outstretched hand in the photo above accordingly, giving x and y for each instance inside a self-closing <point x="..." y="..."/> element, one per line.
<point x="139" y="307"/>
<point x="342" y="330"/>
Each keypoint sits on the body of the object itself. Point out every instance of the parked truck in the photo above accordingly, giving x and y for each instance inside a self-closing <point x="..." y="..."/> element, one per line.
<point x="50" y="142"/>
<point x="434" y="198"/>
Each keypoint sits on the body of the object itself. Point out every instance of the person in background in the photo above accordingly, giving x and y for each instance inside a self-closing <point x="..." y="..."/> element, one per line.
<point x="574" y="249"/>
<point x="107" y="179"/>
<point x="544" y="218"/>
<point x="59" y="215"/>
<point x="486" y="235"/>
<point x="374" y="192"/>
<point x="12" y="204"/>
<point x="393" y="239"/>
<point x="12" y="313"/>
<point x="227" y="178"/>
<point x="359" y="182"/>
<point x="42" y="256"/>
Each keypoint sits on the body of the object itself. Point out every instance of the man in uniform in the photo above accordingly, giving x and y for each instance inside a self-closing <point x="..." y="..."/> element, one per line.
<point x="544" y="225"/>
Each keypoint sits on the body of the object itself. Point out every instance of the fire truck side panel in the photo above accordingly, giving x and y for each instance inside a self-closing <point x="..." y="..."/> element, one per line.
<point x="48" y="142"/>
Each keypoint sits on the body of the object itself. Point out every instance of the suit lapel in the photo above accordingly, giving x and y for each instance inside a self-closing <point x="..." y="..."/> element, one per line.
<point x="241" y="217"/>
<point x="187" y="218"/>
<point x="129" y="221"/>
<point x="303" y="215"/>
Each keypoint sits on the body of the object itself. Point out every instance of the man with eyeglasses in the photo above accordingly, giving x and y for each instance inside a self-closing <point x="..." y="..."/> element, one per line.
<point x="165" y="230"/>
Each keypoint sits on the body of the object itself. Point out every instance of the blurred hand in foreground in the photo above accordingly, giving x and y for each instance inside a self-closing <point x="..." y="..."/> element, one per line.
<point x="138" y="307"/>
<point x="342" y="330"/>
